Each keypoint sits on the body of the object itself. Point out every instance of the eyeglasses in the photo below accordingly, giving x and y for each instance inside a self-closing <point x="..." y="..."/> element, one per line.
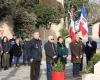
<point x="52" y="39"/>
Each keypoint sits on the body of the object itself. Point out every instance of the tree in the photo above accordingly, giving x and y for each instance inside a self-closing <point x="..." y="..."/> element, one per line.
<point x="94" y="16"/>
<point x="24" y="24"/>
<point x="46" y="15"/>
<point x="21" y="13"/>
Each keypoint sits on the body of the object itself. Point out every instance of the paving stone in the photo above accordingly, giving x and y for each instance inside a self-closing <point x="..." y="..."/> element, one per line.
<point x="23" y="73"/>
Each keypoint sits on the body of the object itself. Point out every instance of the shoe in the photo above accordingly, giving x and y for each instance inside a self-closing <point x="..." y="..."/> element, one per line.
<point x="5" y="68"/>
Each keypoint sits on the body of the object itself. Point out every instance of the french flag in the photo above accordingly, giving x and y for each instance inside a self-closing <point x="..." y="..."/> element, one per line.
<point x="99" y="30"/>
<point x="72" y="30"/>
<point x="83" y="26"/>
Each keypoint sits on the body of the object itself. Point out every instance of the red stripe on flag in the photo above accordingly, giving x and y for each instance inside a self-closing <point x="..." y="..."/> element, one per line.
<point x="84" y="32"/>
<point x="72" y="34"/>
<point x="99" y="31"/>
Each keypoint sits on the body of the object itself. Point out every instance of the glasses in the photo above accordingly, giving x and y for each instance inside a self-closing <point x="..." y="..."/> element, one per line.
<point x="52" y="39"/>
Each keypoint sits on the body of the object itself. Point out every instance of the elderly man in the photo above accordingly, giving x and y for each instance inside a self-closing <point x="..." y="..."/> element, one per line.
<point x="90" y="48"/>
<point x="51" y="55"/>
<point x="35" y="56"/>
<point x="76" y="55"/>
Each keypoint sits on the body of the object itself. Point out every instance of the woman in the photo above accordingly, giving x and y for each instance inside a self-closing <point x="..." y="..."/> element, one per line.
<point x="16" y="53"/>
<point x="62" y="50"/>
<point x="5" y="55"/>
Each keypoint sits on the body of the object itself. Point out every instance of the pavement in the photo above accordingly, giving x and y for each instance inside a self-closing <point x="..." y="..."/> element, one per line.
<point x="23" y="73"/>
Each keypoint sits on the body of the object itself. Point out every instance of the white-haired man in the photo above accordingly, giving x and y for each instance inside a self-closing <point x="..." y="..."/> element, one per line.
<point x="51" y="55"/>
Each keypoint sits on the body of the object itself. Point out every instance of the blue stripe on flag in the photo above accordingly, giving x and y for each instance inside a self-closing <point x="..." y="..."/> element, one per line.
<point x="84" y="11"/>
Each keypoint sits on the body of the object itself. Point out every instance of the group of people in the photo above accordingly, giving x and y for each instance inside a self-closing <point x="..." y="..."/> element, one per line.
<point x="57" y="51"/>
<point x="52" y="51"/>
<point x="78" y="48"/>
<point x="12" y="49"/>
<point x="10" y="52"/>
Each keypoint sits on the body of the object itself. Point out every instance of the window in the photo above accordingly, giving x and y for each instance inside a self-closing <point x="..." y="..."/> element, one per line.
<point x="90" y="32"/>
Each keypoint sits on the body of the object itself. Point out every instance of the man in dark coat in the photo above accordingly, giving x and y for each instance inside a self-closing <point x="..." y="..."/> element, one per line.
<point x="51" y="55"/>
<point x="90" y="48"/>
<point x="76" y="55"/>
<point x="35" y="51"/>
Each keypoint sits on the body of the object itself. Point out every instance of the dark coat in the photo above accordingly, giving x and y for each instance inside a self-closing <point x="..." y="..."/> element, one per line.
<point x="50" y="52"/>
<point x="5" y="47"/>
<point x="62" y="51"/>
<point x="90" y="51"/>
<point x="16" y="49"/>
<point x="76" y="50"/>
<point x="11" y="42"/>
<point x="35" y="49"/>
<point x="25" y="45"/>
<point x="25" y="48"/>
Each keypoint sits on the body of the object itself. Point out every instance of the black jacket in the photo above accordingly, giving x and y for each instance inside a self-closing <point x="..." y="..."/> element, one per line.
<point x="90" y="51"/>
<point x="50" y="52"/>
<point x="16" y="50"/>
<point x="35" y="49"/>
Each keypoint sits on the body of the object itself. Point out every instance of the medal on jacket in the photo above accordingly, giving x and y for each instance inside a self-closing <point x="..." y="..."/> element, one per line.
<point x="36" y="46"/>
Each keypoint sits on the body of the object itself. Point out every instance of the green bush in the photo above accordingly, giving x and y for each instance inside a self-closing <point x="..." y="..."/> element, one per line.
<point x="58" y="67"/>
<point x="64" y="32"/>
<point x="94" y="60"/>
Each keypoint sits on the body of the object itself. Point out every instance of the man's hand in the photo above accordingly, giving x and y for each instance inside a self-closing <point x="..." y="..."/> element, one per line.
<point x="77" y="57"/>
<point x="65" y="56"/>
<point x="81" y="56"/>
<point x="31" y="60"/>
<point x="6" y="52"/>
<point x="54" y="57"/>
<point x="1" y="51"/>
<point x="89" y="45"/>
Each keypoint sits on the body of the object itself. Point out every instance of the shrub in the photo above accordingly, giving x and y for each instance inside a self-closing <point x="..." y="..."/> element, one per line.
<point x="58" y="67"/>
<point x="94" y="60"/>
<point x="64" y="32"/>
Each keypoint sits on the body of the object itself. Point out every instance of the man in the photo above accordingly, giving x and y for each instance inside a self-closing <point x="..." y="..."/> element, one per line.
<point x="12" y="42"/>
<point x="35" y="51"/>
<point x="51" y="55"/>
<point x="90" y="49"/>
<point x="76" y="55"/>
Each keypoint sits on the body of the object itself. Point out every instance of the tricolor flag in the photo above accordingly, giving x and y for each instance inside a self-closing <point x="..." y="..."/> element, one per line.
<point x="99" y="30"/>
<point x="83" y="27"/>
<point x="72" y="29"/>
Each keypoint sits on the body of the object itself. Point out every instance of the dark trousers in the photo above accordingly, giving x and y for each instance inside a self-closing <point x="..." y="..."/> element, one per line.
<point x="25" y="57"/>
<point x="35" y="70"/>
<point x="49" y="70"/>
<point x="11" y="57"/>
<point x="81" y="65"/>
<point x="76" y="69"/>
